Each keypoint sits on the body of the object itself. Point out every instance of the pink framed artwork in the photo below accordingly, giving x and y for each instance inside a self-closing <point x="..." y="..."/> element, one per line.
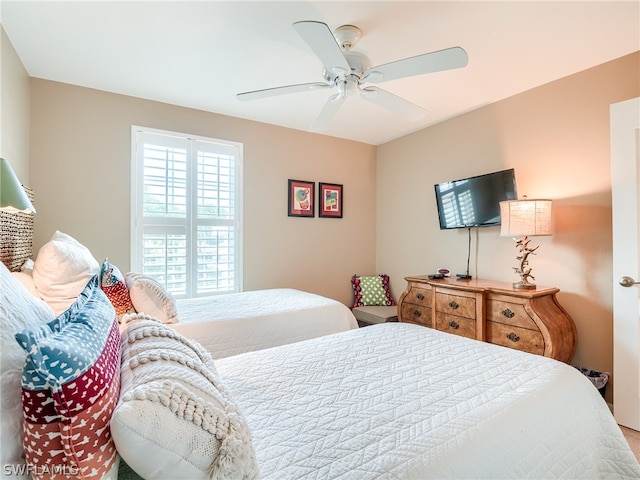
<point x="301" y="197"/>
<point x="330" y="200"/>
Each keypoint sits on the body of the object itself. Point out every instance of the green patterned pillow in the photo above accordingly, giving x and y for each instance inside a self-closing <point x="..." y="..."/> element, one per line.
<point x="371" y="291"/>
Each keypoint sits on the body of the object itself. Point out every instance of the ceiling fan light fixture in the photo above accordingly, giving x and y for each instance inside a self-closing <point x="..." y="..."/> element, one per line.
<point x="348" y="86"/>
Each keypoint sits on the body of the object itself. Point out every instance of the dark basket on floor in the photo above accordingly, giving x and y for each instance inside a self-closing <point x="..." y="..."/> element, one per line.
<point x="598" y="379"/>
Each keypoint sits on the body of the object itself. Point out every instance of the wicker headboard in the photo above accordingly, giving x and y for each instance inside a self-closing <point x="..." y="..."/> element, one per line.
<point x="16" y="236"/>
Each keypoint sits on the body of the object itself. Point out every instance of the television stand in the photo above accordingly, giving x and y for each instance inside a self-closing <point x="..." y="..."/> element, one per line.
<point x="493" y="312"/>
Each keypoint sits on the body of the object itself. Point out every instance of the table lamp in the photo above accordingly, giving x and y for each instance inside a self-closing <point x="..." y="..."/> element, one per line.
<point x="525" y="218"/>
<point x="13" y="198"/>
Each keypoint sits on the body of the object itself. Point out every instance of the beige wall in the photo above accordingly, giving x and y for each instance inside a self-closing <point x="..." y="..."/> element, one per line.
<point x="14" y="110"/>
<point x="557" y="139"/>
<point x="80" y="170"/>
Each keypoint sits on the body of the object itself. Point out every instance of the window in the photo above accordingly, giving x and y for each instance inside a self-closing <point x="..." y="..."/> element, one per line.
<point x="186" y="212"/>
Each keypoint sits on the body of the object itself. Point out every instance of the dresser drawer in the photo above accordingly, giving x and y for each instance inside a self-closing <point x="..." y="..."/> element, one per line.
<point x="465" y="327"/>
<point x="457" y="305"/>
<point x="413" y="313"/>
<point x="509" y="313"/>
<point x="419" y="296"/>
<point x="515" y="337"/>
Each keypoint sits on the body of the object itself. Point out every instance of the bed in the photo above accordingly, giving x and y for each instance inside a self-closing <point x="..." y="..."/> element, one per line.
<point x="407" y="402"/>
<point x="240" y="322"/>
<point x="37" y="294"/>
<point x="392" y="400"/>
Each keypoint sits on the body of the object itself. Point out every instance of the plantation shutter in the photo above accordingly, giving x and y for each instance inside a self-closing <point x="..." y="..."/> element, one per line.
<point x="188" y="212"/>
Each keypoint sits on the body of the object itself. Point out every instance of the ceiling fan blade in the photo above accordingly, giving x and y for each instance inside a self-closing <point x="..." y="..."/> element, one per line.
<point x="328" y="113"/>
<point x="319" y="37"/>
<point x="392" y="102"/>
<point x="272" y="92"/>
<point x="454" y="57"/>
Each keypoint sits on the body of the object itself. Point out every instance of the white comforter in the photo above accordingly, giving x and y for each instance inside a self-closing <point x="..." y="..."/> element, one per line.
<point x="241" y="322"/>
<point x="402" y="401"/>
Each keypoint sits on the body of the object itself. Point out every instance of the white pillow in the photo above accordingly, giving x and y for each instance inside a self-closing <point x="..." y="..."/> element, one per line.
<point x="62" y="269"/>
<point x="26" y="279"/>
<point x="175" y="419"/>
<point x="149" y="296"/>
<point x="18" y="310"/>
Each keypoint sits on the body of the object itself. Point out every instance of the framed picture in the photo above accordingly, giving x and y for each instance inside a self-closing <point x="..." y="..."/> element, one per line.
<point x="301" y="198"/>
<point x="330" y="200"/>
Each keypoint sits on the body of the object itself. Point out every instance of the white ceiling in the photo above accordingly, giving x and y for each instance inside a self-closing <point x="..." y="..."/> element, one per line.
<point x="200" y="54"/>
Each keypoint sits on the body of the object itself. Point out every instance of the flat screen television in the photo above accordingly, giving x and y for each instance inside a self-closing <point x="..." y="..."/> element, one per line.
<point x="474" y="201"/>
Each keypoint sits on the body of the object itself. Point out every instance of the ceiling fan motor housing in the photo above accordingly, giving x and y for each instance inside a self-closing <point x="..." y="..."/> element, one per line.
<point x="358" y="62"/>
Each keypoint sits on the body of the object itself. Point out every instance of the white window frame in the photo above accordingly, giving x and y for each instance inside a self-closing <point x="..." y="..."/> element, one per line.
<point x="137" y="222"/>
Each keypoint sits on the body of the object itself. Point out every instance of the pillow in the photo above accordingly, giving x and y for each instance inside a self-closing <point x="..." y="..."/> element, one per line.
<point x="149" y="296"/>
<point x="26" y="279"/>
<point x="175" y="419"/>
<point x="27" y="266"/>
<point x="62" y="269"/>
<point x="70" y="384"/>
<point x="371" y="291"/>
<point x="113" y="284"/>
<point x="18" y="310"/>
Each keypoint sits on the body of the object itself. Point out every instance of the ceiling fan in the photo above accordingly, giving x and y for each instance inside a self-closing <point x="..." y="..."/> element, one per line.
<point x="348" y="71"/>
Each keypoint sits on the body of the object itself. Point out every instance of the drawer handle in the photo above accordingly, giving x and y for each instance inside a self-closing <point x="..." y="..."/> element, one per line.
<point x="508" y="313"/>
<point x="417" y="313"/>
<point x="453" y="304"/>
<point x="420" y="296"/>
<point x="513" y="337"/>
<point x="454" y="325"/>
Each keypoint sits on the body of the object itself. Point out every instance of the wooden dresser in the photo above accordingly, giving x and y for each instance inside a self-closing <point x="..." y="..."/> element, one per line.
<point x="491" y="311"/>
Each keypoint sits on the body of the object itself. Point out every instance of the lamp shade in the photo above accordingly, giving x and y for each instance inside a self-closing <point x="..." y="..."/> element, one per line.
<point x="525" y="218"/>
<point x="13" y="198"/>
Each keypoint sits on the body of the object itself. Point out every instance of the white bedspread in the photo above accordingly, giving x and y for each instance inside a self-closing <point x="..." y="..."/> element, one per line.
<point x="401" y="401"/>
<point x="241" y="322"/>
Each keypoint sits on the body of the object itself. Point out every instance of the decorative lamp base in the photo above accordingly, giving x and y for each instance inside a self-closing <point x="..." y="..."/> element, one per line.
<point x="524" y="284"/>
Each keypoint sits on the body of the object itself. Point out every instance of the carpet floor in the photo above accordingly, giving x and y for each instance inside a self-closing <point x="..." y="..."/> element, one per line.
<point x="633" y="438"/>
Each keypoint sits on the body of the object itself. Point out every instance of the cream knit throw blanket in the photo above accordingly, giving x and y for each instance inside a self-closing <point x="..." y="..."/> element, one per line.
<point x="173" y="401"/>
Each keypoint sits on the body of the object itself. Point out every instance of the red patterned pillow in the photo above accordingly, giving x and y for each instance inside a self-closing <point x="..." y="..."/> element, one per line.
<point x="113" y="284"/>
<point x="70" y="387"/>
<point x="371" y="291"/>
